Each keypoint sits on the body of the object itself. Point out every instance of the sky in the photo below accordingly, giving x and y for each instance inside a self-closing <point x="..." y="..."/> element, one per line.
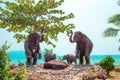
<point x="91" y="18"/>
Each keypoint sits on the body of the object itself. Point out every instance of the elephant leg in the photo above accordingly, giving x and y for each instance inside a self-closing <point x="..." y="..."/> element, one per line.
<point x="75" y="62"/>
<point x="87" y="59"/>
<point x="68" y="61"/>
<point x="39" y="54"/>
<point x="81" y="59"/>
<point x="29" y="61"/>
<point x="46" y="60"/>
<point x="35" y="59"/>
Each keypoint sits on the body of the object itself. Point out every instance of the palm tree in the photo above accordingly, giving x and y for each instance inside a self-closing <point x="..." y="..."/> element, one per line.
<point x="113" y="32"/>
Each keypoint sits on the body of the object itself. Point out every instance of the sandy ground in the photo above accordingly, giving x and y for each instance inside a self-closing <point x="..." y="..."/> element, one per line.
<point x="70" y="73"/>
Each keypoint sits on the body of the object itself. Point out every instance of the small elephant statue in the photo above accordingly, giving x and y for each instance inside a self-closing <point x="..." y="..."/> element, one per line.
<point x="70" y="58"/>
<point x="32" y="47"/>
<point x="49" y="57"/>
<point x="83" y="46"/>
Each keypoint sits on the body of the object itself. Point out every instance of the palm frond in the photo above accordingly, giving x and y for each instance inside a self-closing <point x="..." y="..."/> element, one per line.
<point x="110" y="32"/>
<point x="115" y="19"/>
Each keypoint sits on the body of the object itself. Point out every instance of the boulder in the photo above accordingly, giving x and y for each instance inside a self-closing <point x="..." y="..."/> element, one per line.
<point x="55" y="64"/>
<point x="32" y="77"/>
<point x="96" y="63"/>
<point x="20" y="64"/>
<point x="95" y="68"/>
<point x="87" y="76"/>
<point x="102" y="74"/>
<point x="13" y="66"/>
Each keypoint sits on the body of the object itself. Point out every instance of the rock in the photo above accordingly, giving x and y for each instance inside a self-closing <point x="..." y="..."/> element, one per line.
<point x="13" y="66"/>
<point x="117" y="69"/>
<point x="55" y="64"/>
<point x="96" y="64"/>
<point x="88" y="77"/>
<point x="20" y="64"/>
<point x="102" y="74"/>
<point x="95" y="67"/>
<point x="32" y="77"/>
<point x="92" y="77"/>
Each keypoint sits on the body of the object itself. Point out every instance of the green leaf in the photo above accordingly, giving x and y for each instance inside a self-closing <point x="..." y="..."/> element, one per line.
<point x="110" y="32"/>
<point x="26" y="16"/>
<point x="107" y="63"/>
<point x="115" y="19"/>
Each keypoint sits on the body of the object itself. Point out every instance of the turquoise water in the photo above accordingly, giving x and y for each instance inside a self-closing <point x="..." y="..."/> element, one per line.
<point x="19" y="56"/>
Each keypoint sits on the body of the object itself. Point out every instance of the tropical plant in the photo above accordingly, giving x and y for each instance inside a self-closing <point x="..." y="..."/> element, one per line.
<point x="25" y="16"/>
<point x="48" y="51"/>
<point x="115" y="19"/>
<point x="107" y="63"/>
<point x="21" y="74"/>
<point x="5" y="72"/>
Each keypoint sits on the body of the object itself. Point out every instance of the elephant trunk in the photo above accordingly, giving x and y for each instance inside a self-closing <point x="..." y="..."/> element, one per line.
<point x="42" y="37"/>
<point x="71" y="40"/>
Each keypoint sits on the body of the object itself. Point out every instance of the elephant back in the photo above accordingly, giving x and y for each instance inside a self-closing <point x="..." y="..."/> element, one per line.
<point x="49" y="56"/>
<point x="72" y="57"/>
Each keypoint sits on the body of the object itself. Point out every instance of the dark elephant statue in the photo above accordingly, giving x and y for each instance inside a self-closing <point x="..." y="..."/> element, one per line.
<point x="70" y="58"/>
<point x="83" y="46"/>
<point x="49" y="56"/>
<point x="32" y="47"/>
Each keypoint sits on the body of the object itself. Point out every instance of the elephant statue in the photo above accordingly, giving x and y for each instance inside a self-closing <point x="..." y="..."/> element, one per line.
<point x="32" y="47"/>
<point x="70" y="58"/>
<point x="83" y="46"/>
<point x="49" y="56"/>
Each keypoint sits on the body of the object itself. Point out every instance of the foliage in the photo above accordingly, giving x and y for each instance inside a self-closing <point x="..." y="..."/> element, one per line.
<point x="113" y="32"/>
<point x="48" y="51"/>
<point x="25" y="16"/>
<point x="21" y="74"/>
<point x="107" y="63"/>
<point x="5" y="73"/>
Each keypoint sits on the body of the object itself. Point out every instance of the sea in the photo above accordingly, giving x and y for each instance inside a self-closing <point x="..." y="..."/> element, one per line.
<point x="19" y="56"/>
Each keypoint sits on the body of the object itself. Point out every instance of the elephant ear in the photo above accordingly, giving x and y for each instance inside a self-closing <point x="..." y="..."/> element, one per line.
<point x="36" y="35"/>
<point x="31" y="37"/>
<point x="65" y="56"/>
<point x="84" y="38"/>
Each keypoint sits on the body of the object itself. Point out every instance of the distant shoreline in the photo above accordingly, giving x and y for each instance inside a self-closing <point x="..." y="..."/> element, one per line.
<point x="19" y="56"/>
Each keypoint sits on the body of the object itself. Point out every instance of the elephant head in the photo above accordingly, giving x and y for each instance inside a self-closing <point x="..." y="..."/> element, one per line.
<point x="36" y="36"/>
<point x="49" y="56"/>
<point x="65" y="57"/>
<point x="78" y="37"/>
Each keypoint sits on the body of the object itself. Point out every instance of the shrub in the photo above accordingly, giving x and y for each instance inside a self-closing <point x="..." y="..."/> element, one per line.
<point x="108" y="64"/>
<point x="5" y="73"/>
<point x="21" y="74"/>
<point x="48" y="51"/>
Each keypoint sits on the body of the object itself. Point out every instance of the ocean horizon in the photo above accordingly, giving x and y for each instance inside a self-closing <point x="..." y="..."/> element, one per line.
<point x="19" y="56"/>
